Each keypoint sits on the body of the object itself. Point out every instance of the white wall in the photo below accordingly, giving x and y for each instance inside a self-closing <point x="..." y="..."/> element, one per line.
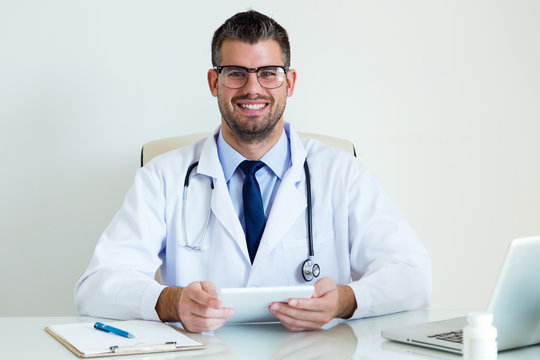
<point x="440" y="97"/>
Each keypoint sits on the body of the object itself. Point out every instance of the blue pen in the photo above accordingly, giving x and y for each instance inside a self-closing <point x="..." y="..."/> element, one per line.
<point x="113" y="330"/>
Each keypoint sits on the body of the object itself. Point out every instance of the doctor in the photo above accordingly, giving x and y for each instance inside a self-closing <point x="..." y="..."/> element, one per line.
<point x="244" y="219"/>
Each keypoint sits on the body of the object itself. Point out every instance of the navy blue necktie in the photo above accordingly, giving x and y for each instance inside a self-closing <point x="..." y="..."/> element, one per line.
<point x="253" y="206"/>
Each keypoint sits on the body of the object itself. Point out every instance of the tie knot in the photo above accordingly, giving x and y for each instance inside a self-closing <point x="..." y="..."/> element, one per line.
<point x="250" y="167"/>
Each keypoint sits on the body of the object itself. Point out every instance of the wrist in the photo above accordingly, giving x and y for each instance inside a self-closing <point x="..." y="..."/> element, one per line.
<point x="167" y="305"/>
<point x="346" y="301"/>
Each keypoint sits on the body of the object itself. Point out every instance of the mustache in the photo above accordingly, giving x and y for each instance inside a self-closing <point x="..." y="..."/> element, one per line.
<point x="247" y="98"/>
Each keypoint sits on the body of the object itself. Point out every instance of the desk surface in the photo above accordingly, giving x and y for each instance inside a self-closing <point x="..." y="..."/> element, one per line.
<point x="24" y="338"/>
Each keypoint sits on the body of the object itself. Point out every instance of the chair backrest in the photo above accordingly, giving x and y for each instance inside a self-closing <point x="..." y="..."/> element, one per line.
<point x="157" y="147"/>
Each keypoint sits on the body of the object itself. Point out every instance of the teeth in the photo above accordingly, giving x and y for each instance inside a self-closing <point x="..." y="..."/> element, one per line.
<point x="252" y="106"/>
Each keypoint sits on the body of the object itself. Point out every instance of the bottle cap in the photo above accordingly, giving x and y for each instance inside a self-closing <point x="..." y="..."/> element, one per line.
<point x="480" y="318"/>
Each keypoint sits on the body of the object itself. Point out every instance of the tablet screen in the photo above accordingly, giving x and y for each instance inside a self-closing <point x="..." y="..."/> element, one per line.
<point x="251" y="304"/>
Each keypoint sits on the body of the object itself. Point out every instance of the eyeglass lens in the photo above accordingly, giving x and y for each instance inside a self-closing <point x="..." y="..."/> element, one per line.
<point x="270" y="77"/>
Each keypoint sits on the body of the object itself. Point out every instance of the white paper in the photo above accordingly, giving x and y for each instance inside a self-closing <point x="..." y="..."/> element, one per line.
<point x="90" y="341"/>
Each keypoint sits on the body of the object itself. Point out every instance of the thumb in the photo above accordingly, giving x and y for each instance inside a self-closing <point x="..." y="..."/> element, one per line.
<point x="209" y="288"/>
<point x="323" y="286"/>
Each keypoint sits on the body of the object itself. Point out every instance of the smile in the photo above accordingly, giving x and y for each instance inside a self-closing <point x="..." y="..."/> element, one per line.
<point x="252" y="106"/>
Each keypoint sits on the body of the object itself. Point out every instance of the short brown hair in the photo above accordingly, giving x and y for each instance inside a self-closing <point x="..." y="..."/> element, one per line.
<point x="250" y="27"/>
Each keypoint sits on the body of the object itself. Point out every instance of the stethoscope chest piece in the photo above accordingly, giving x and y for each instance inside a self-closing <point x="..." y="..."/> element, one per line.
<point x="310" y="270"/>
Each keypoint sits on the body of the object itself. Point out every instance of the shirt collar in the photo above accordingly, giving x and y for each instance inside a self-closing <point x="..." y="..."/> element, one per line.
<point x="278" y="158"/>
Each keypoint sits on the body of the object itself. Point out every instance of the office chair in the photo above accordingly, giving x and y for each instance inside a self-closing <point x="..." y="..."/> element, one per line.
<point x="157" y="147"/>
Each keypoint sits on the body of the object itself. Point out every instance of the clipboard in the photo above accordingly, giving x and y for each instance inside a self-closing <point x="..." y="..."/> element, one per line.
<point x="150" y="337"/>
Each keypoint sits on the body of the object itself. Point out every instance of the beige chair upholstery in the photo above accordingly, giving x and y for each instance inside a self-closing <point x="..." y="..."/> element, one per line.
<point x="157" y="147"/>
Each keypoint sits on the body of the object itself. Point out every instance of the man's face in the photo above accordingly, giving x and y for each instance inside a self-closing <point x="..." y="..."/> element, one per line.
<point x="251" y="113"/>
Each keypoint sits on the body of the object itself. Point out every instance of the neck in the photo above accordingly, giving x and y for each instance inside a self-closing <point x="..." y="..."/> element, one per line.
<point x="252" y="150"/>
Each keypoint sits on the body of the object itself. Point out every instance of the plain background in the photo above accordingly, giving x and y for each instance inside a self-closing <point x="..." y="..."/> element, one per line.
<point x="441" y="99"/>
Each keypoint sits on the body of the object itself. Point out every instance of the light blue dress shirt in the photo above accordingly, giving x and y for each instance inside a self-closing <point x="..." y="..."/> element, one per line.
<point x="277" y="161"/>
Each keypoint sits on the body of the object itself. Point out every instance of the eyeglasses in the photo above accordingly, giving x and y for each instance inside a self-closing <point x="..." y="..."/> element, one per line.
<point x="235" y="77"/>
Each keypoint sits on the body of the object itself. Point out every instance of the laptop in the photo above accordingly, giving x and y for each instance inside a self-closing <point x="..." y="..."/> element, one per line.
<point x="515" y="304"/>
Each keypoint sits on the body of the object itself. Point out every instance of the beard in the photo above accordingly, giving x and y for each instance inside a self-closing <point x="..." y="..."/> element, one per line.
<point x="251" y="129"/>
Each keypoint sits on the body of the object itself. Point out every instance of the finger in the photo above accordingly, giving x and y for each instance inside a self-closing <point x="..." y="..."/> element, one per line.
<point x="196" y="317"/>
<point x="209" y="287"/>
<point x="318" y="317"/>
<point x="323" y="286"/>
<point x="316" y="304"/>
<point x="323" y="303"/>
<point x="196" y="323"/>
<point x="208" y="312"/>
<point x="200" y="296"/>
<point x="295" y="324"/>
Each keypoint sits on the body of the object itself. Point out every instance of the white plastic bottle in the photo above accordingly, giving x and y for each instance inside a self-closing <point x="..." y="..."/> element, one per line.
<point x="479" y="337"/>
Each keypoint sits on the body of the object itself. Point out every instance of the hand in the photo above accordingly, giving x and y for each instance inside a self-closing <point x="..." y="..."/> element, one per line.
<point x="196" y="306"/>
<point x="328" y="301"/>
<point x="199" y="308"/>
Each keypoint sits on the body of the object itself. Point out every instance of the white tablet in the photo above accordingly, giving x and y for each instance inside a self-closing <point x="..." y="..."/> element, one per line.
<point x="251" y="304"/>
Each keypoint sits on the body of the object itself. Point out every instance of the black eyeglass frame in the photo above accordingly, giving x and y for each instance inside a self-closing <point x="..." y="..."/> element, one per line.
<point x="285" y="69"/>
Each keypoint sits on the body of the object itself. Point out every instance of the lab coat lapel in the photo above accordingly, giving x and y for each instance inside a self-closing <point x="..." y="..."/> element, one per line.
<point x="289" y="203"/>
<point x="221" y="203"/>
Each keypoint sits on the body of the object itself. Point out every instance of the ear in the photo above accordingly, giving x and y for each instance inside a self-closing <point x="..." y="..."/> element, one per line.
<point x="291" y="80"/>
<point x="213" y="81"/>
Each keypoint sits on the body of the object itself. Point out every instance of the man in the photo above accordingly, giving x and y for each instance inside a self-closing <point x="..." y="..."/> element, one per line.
<point x="251" y="172"/>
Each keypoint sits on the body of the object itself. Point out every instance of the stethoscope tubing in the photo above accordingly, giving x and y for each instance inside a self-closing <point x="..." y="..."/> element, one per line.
<point x="309" y="268"/>
<point x="309" y="209"/>
<point x="198" y="244"/>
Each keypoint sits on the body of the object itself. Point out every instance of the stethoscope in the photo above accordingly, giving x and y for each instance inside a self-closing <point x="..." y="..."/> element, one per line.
<point x="310" y="269"/>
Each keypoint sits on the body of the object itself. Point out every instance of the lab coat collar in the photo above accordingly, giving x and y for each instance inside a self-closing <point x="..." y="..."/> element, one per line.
<point x="209" y="164"/>
<point x="221" y="203"/>
<point x="277" y="159"/>
<point x="289" y="203"/>
<point x="298" y="153"/>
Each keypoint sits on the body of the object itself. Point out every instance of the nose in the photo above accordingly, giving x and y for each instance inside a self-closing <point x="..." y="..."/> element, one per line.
<point x="252" y="85"/>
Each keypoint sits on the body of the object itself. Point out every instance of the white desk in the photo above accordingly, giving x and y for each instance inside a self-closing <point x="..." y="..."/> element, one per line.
<point x="24" y="338"/>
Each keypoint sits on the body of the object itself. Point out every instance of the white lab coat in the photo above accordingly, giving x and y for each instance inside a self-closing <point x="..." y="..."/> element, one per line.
<point x="360" y="238"/>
